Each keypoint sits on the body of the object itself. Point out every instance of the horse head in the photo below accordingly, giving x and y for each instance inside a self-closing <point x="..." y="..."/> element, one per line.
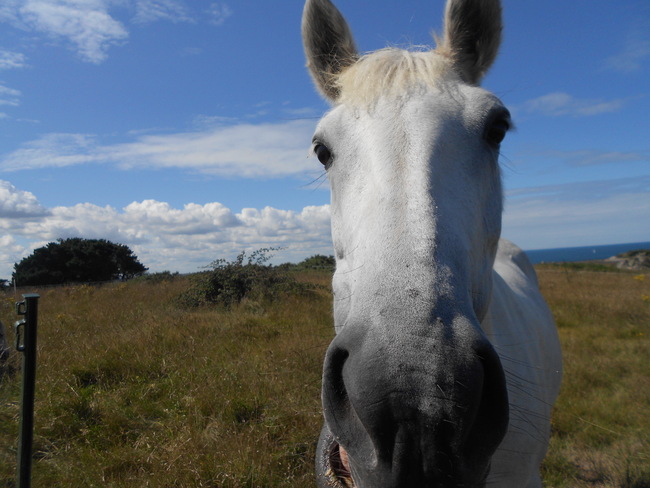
<point x="413" y="392"/>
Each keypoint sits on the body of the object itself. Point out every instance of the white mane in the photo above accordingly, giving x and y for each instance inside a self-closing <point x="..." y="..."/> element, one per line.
<point x="391" y="71"/>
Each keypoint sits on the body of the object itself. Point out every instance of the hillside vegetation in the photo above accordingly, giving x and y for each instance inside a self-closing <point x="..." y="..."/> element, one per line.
<point x="135" y="390"/>
<point x="77" y="260"/>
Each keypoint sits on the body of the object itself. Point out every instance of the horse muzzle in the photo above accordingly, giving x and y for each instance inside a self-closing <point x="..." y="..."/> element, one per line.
<point x="421" y="405"/>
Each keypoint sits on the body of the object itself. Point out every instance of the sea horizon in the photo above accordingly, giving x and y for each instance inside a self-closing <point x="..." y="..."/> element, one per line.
<point x="582" y="253"/>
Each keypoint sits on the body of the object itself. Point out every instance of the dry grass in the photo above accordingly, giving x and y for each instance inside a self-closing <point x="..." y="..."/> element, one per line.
<point x="601" y="423"/>
<point x="133" y="391"/>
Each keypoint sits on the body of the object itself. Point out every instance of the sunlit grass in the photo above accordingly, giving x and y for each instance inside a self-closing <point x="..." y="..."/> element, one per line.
<point x="601" y="423"/>
<point x="134" y="391"/>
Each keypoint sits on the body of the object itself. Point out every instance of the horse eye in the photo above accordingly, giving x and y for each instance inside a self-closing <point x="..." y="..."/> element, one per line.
<point x="496" y="131"/>
<point x="323" y="154"/>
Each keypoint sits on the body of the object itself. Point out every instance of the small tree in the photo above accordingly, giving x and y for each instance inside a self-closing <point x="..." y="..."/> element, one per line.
<point x="248" y="276"/>
<point x="77" y="260"/>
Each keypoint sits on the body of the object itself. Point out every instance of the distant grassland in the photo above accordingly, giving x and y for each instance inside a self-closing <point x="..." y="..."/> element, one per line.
<point x="133" y="391"/>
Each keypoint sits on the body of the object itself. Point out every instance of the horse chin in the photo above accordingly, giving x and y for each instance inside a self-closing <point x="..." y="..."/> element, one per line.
<point x="333" y="466"/>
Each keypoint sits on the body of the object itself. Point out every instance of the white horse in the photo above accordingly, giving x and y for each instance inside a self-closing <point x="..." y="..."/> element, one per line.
<point x="446" y="361"/>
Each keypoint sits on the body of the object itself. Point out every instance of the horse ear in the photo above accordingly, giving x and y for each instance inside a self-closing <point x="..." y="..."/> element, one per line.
<point x="329" y="45"/>
<point x="472" y="36"/>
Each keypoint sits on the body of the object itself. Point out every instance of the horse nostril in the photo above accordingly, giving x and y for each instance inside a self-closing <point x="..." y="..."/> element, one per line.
<point x="333" y="369"/>
<point x="492" y="416"/>
<point x="345" y="380"/>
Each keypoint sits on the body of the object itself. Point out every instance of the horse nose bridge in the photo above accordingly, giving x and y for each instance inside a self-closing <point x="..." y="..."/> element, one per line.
<point x="390" y="394"/>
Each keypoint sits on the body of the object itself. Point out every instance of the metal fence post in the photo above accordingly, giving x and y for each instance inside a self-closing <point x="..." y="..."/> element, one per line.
<point x="26" y="330"/>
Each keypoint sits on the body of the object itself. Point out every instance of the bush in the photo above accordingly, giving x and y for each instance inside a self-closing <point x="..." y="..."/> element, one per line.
<point x="318" y="261"/>
<point x="77" y="260"/>
<point x="159" y="277"/>
<point x="248" y="276"/>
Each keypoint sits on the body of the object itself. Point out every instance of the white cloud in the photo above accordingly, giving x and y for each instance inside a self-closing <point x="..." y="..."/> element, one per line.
<point x="89" y="28"/>
<point x="631" y="58"/>
<point x="10" y="252"/>
<point x="8" y="11"/>
<point x="218" y="12"/>
<point x="192" y="219"/>
<point x="52" y="150"/>
<point x="303" y="112"/>
<point x="9" y="96"/>
<point x="243" y="150"/>
<point x="154" y="10"/>
<point x="590" y="157"/>
<point x="560" y="104"/>
<point x="12" y="60"/>
<point x="578" y="214"/>
<point x="86" y="24"/>
<point x="179" y="239"/>
<point x="15" y="203"/>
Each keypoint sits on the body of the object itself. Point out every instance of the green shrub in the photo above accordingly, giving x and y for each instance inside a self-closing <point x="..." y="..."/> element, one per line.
<point x="158" y="277"/>
<point x="248" y="276"/>
<point x="319" y="262"/>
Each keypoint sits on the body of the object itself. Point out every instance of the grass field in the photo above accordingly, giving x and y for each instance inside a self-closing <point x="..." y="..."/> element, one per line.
<point x="133" y="391"/>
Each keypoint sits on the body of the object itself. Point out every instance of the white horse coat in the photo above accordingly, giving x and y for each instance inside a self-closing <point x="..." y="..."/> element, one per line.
<point x="521" y="329"/>
<point x="446" y="361"/>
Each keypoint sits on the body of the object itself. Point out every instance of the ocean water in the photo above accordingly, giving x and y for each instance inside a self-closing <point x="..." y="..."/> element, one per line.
<point x="569" y="254"/>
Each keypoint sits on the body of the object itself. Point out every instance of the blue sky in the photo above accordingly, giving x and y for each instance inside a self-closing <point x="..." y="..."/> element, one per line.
<point x="182" y="128"/>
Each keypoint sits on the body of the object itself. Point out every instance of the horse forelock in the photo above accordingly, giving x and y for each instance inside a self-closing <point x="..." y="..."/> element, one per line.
<point x="392" y="72"/>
